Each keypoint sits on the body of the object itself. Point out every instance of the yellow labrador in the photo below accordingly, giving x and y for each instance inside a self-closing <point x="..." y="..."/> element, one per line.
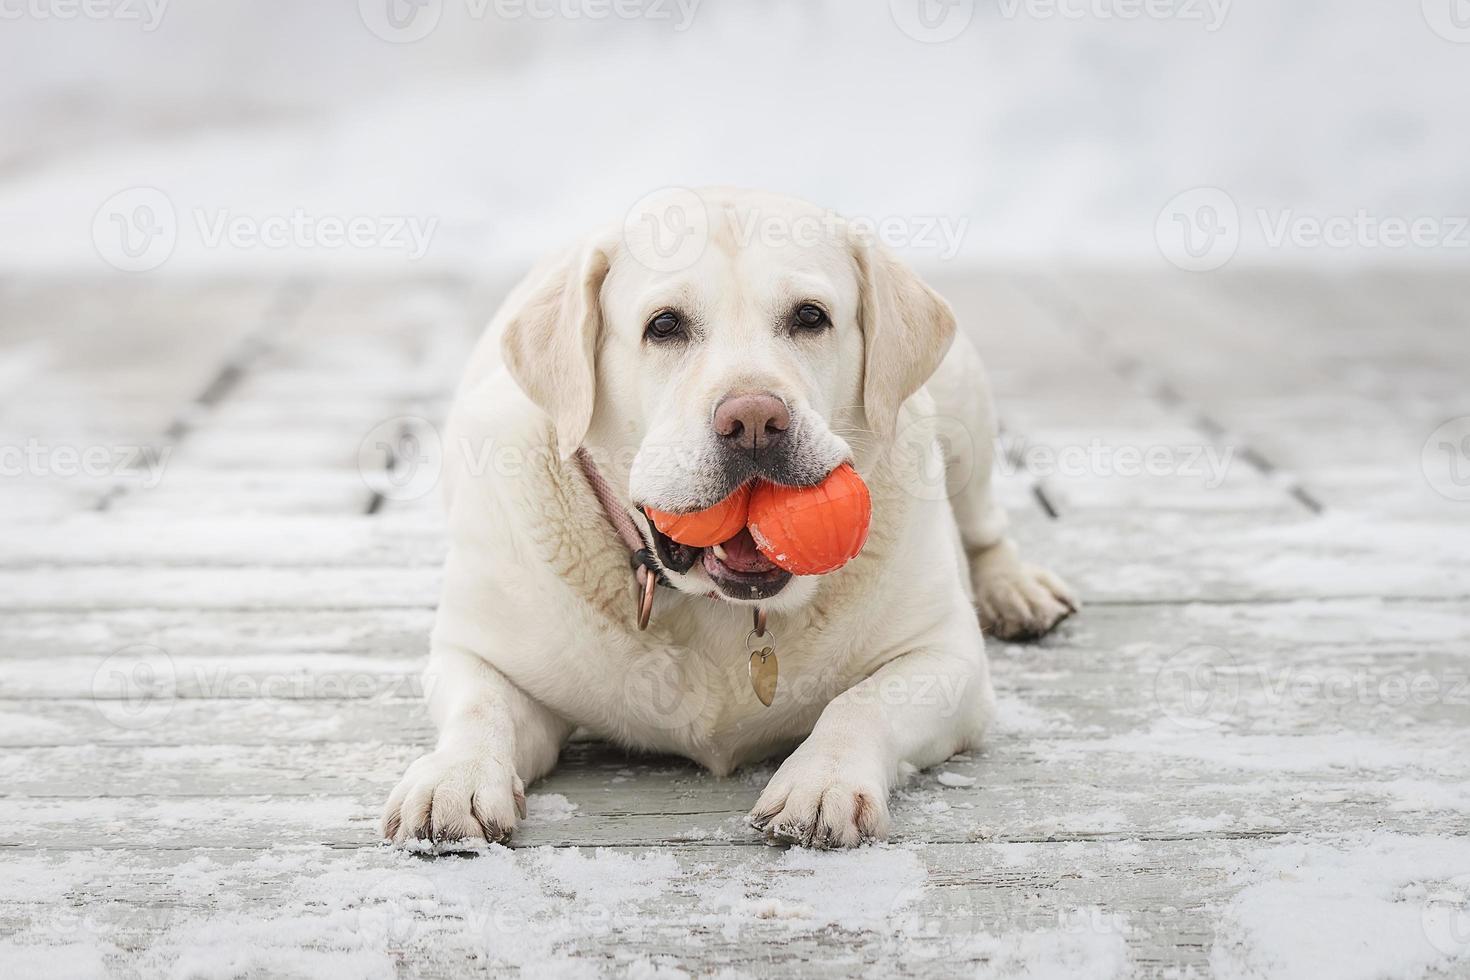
<point x="711" y="339"/>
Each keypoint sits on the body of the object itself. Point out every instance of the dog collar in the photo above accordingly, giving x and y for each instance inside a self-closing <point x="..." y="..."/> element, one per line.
<point x="645" y="568"/>
<point x="763" y="666"/>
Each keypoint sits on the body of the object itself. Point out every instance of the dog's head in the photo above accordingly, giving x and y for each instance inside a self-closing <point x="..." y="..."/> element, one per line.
<point x="773" y="349"/>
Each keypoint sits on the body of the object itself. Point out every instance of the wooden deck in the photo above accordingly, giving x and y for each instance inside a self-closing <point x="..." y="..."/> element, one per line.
<point x="1247" y="757"/>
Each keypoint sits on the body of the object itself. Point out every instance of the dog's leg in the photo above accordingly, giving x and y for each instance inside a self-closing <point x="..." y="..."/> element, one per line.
<point x="916" y="711"/>
<point x="493" y="739"/>
<point x="1016" y="600"/>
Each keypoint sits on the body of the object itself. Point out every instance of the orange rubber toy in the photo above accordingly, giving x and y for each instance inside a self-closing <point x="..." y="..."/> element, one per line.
<point x="709" y="526"/>
<point x="805" y="530"/>
<point x="812" y="530"/>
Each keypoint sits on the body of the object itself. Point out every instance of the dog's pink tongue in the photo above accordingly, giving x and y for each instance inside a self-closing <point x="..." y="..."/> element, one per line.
<point x="742" y="556"/>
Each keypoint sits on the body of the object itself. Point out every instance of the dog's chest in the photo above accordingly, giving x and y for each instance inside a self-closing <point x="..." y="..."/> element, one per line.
<point x="694" y="694"/>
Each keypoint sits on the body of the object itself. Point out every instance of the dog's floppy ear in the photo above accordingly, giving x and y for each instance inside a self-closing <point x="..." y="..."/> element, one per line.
<point x="907" y="329"/>
<point x="550" y="343"/>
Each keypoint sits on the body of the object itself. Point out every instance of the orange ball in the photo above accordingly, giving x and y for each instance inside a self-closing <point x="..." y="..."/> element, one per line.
<point x="812" y="530"/>
<point x="712" y="525"/>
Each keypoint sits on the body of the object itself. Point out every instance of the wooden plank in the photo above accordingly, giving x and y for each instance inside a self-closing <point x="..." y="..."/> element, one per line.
<point x="260" y="587"/>
<point x="166" y="539"/>
<point x="1105" y="664"/>
<point x="188" y="494"/>
<point x="1111" y="556"/>
<point x="1018" y="792"/>
<point x="1116" y="909"/>
<point x="241" y="721"/>
<point x="923" y="912"/>
<point x="1021" y="788"/>
<point x="1369" y="355"/>
<point x="212" y="633"/>
<point x="113" y="392"/>
<point x="1118" y="556"/>
<point x="1093" y="436"/>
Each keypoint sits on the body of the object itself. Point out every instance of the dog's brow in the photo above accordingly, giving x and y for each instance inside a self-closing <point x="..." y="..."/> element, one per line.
<point x="676" y="296"/>
<point x="795" y="287"/>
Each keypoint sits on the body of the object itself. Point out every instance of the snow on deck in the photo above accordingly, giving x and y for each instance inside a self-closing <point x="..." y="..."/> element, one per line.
<point x="1246" y="758"/>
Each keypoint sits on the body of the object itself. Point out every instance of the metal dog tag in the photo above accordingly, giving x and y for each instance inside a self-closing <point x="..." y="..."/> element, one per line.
<point x="764" y="669"/>
<point x="763" y="674"/>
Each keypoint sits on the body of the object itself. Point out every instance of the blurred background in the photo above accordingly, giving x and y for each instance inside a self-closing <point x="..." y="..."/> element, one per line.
<point x="1036" y="129"/>
<point x="211" y="213"/>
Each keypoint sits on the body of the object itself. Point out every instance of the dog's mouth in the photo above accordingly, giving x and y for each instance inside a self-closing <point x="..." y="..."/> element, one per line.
<point x="736" y="567"/>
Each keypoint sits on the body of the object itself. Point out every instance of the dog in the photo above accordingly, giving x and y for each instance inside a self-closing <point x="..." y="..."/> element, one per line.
<point x="770" y="341"/>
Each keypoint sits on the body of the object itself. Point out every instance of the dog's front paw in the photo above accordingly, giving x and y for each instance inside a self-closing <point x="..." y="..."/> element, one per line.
<point x="450" y="797"/>
<point x="819" y="800"/>
<point x="1020" y="602"/>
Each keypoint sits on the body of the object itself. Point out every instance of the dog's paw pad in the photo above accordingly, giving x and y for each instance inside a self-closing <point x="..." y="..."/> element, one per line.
<point x="825" y="813"/>
<point x="448" y="798"/>
<point x="1022" y="603"/>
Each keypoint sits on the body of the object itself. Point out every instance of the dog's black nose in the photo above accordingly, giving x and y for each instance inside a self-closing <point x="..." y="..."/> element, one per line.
<point x="751" y="422"/>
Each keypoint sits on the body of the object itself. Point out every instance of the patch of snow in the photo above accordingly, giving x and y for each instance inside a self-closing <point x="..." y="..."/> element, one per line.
<point x="1016" y="716"/>
<point x="1058" y="954"/>
<point x="549" y="808"/>
<point x="81" y="961"/>
<point x="1362" y="908"/>
<point x="865" y="888"/>
<point x="1344" y="751"/>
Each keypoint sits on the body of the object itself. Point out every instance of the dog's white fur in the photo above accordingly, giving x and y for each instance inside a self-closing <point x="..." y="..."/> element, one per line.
<point x="882" y="663"/>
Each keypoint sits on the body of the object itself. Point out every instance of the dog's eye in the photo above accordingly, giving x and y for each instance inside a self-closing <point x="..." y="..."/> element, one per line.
<point x="810" y="317"/>
<point x="664" y="326"/>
